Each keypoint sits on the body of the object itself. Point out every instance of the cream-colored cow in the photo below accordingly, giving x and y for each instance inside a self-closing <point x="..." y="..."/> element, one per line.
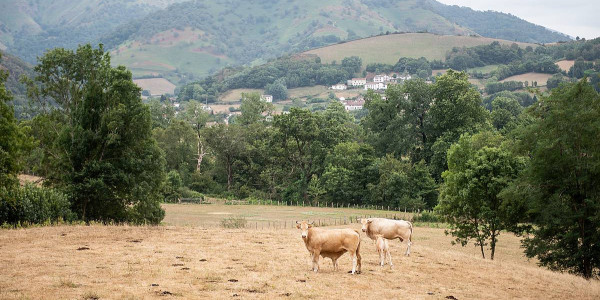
<point x="390" y="229"/>
<point x="331" y="243"/>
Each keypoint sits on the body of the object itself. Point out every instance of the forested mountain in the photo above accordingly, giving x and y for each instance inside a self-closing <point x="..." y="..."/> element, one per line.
<point x="30" y="27"/>
<point x="182" y="40"/>
<point x="16" y="68"/>
<point x="199" y="37"/>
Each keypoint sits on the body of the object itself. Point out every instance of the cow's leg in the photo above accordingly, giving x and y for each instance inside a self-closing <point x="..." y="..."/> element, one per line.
<point x="381" y="257"/>
<point x="335" y="264"/>
<point x="389" y="255"/>
<point x="354" y="261"/>
<point x="315" y="261"/>
<point x="409" y="243"/>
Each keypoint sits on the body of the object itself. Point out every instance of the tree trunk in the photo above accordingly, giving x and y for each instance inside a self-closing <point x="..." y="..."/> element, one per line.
<point x="229" y="175"/>
<point x="201" y="154"/>
<point x="493" y="244"/>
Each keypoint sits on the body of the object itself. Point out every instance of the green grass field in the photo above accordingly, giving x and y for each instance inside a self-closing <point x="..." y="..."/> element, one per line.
<point x="389" y="48"/>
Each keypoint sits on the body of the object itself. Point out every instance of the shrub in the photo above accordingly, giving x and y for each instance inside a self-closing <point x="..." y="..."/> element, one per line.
<point x="234" y="222"/>
<point x="34" y="205"/>
<point x="426" y="216"/>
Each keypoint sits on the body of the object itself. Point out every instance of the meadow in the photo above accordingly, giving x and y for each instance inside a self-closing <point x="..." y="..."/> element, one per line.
<point x="191" y="256"/>
<point x="389" y="48"/>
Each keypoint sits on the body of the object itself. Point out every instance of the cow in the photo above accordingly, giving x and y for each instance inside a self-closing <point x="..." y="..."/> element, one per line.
<point x="331" y="243"/>
<point x="383" y="249"/>
<point x="390" y="229"/>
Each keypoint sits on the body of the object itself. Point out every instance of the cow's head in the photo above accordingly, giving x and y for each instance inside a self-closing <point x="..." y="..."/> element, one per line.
<point x="304" y="226"/>
<point x="365" y="223"/>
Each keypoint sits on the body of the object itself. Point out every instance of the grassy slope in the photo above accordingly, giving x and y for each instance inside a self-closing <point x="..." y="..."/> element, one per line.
<point x="389" y="48"/>
<point x="191" y="262"/>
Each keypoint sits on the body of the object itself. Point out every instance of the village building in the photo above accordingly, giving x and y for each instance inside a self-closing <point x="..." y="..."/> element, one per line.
<point x="266" y="98"/>
<point x="382" y="78"/>
<point x="375" y="86"/>
<point x="339" y="86"/>
<point x="351" y="105"/>
<point x="357" y="81"/>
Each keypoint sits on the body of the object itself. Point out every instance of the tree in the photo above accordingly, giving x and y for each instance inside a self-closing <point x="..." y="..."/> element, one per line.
<point x="478" y="171"/>
<point x="100" y="149"/>
<point x="228" y="144"/>
<point x="277" y="89"/>
<point x="352" y="63"/>
<point x="505" y="112"/>
<point x="162" y="114"/>
<point x="252" y="109"/>
<point x="178" y="141"/>
<point x="196" y="116"/>
<point x="563" y="179"/>
<point x="457" y="109"/>
<point x="10" y="139"/>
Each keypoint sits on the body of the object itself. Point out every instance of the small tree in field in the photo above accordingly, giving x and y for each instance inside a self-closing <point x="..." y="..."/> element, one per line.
<point x="478" y="171"/>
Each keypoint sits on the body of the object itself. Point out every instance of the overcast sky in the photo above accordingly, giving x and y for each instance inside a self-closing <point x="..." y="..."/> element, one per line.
<point x="574" y="17"/>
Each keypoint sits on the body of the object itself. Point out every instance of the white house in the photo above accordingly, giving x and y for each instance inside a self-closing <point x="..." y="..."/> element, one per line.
<point x="354" y="105"/>
<point x="266" y="98"/>
<point x="357" y="81"/>
<point x="339" y="86"/>
<point x="342" y="99"/>
<point x="382" y="78"/>
<point x="375" y="86"/>
<point x="404" y="77"/>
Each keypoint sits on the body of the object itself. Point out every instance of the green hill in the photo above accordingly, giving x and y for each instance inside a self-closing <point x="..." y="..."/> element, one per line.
<point x="16" y="68"/>
<point x="193" y="39"/>
<point x="29" y="27"/>
<point x="389" y="48"/>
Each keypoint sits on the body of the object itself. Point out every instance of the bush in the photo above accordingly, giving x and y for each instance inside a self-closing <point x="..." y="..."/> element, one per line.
<point x="234" y="222"/>
<point x="426" y="216"/>
<point x="33" y="205"/>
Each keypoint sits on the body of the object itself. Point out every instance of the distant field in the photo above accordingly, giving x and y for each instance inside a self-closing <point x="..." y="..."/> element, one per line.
<point x="236" y="95"/>
<point x="541" y="78"/>
<point x="207" y="262"/>
<point x="156" y="86"/>
<point x="313" y="91"/>
<point x="389" y="48"/>
<point x="565" y="65"/>
<point x="485" y="69"/>
<point x="223" y="108"/>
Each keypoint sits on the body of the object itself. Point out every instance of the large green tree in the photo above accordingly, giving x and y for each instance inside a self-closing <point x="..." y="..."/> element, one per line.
<point x="563" y="179"/>
<point x="478" y="171"/>
<point x="10" y="137"/>
<point x="100" y="147"/>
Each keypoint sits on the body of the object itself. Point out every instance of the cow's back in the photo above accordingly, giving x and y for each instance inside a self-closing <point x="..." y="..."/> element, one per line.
<point x="390" y="229"/>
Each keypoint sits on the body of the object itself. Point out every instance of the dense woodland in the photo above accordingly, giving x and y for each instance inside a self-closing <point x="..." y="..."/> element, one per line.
<point x="484" y="165"/>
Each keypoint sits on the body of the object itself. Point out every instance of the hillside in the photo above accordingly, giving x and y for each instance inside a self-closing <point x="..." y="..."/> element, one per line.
<point x="193" y="39"/>
<point x="29" y="27"/>
<point x="388" y="48"/>
<point x="16" y="68"/>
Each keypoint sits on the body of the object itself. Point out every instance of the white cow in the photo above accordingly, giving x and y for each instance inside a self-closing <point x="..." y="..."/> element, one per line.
<point x="390" y="229"/>
<point x="331" y="243"/>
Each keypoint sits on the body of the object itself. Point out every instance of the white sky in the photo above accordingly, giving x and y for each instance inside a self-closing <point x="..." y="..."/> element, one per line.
<point x="574" y="17"/>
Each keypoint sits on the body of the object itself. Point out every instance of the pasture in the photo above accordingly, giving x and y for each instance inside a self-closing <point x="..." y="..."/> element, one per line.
<point x="389" y="48"/>
<point x="188" y="258"/>
<point x="565" y="65"/>
<point x="156" y="86"/>
<point x="541" y="78"/>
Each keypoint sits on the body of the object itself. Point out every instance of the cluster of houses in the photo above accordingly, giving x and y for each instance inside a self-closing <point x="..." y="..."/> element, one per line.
<point x="376" y="82"/>
<point x="373" y="82"/>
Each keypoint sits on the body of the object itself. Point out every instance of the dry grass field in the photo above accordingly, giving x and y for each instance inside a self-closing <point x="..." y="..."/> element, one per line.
<point x="156" y="86"/>
<point x="541" y="78"/>
<point x="565" y="65"/>
<point x="236" y="95"/>
<point x="197" y="262"/>
<point x="389" y="48"/>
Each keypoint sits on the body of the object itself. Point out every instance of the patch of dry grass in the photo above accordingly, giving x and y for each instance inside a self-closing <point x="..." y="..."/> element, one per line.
<point x="541" y="78"/>
<point x="194" y="262"/>
<point x="565" y="65"/>
<point x="389" y="48"/>
<point x="236" y="95"/>
<point x="156" y="86"/>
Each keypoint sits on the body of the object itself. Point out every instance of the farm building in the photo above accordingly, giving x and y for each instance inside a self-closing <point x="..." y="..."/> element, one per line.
<point x="266" y="98"/>
<point x="375" y="86"/>
<point x="339" y="86"/>
<point x="357" y="81"/>
<point x="354" y="104"/>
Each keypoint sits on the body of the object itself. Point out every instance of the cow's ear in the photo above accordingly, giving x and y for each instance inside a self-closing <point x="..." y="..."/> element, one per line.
<point x="311" y="224"/>
<point x="369" y="221"/>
